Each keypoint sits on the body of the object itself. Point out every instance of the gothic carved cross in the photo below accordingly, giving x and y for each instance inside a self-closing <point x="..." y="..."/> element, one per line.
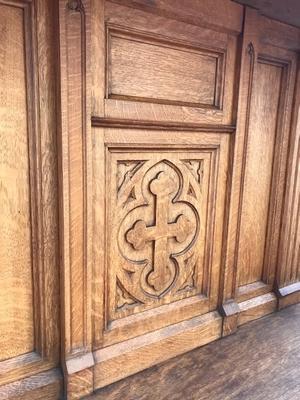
<point x="161" y="187"/>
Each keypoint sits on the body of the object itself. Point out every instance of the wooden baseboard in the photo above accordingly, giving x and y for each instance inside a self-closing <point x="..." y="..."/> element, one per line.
<point x="288" y="295"/>
<point x="121" y="360"/>
<point x="90" y="372"/>
<point x="43" y="386"/>
<point x="257" y="307"/>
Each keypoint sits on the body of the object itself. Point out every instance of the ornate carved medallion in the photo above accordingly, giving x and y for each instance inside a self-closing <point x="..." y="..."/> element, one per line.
<point x="157" y="221"/>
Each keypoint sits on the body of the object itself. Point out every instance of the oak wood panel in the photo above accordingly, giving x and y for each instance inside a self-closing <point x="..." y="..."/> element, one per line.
<point x="259" y="221"/>
<point x="74" y="142"/>
<point x="46" y="66"/>
<point x="75" y="195"/>
<point x="194" y="12"/>
<point x="129" y="155"/>
<point x="28" y="135"/>
<point x="16" y="313"/>
<point x="259" y="46"/>
<point x="258" y="173"/>
<point x="287" y="12"/>
<point x="289" y="257"/>
<point x="149" y="70"/>
<point x="151" y="93"/>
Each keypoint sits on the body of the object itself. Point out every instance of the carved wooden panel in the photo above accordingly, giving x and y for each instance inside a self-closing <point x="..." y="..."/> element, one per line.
<point x="159" y="205"/>
<point x="158" y="211"/>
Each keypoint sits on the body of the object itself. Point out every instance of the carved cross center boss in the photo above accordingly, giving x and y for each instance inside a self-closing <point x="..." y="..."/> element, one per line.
<point x="161" y="187"/>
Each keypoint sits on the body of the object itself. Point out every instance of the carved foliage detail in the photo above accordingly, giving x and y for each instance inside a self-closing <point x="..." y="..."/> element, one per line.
<point x="157" y="220"/>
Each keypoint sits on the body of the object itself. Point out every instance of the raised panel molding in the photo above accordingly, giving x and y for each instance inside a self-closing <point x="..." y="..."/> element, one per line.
<point x="144" y="56"/>
<point x="141" y="67"/>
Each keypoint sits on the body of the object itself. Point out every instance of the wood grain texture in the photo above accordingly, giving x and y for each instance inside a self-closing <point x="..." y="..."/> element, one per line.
<point x="259" y="219"/>
<point x="257" y="307"/>
<point x="289" y="256"/>
<point x="217" y="370"/>
<point x="29" y="161"/>
<point x="161" y="72"/>
<point x="80" y="384"/>
<point x="44" y="386"/>
<point x="16" y="313"/>
<point x="118" y="361"/>
<point x="133" y="159"/>
<point x="286" y="12"/>
<point x="74" y="142"/>
<point x="258" y="171"/>
<point x="205" y="59"/>
<point x="230" y="19"/>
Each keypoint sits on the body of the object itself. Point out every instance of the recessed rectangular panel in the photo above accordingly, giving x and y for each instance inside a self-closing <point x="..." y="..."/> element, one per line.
<point x="16" y="293"/>
<point x="259" y="169"/>
<point x="145" y="69"/>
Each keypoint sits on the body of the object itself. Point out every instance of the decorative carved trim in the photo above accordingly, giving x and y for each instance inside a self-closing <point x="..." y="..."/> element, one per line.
<point x="159" y="273"/>
<point x="250" y="49"/>
<point x="75" y="5"/>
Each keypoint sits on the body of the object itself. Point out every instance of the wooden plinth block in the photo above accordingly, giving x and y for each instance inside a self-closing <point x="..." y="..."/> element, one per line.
<point x="288" y="295"/>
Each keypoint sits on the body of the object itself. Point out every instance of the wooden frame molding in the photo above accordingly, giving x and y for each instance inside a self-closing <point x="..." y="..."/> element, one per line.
<point x="102" y="122"/>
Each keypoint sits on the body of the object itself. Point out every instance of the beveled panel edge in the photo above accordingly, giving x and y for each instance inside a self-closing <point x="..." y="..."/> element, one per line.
<point x="150" y="38"/>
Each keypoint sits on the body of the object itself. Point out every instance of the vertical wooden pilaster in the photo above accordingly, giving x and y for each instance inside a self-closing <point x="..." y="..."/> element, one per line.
<point x="288" y="273"/>
<point x="75" y="172"/>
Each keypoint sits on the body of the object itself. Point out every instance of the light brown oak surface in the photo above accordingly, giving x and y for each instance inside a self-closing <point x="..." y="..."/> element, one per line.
<point x="149" y="184"/>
